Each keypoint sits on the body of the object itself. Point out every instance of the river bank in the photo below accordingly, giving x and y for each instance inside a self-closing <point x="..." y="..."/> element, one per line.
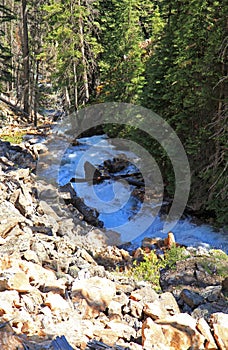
<point x="63" y="277"/>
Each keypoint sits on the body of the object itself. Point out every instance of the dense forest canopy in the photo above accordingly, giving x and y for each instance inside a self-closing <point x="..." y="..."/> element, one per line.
<point x="168" y="56"/>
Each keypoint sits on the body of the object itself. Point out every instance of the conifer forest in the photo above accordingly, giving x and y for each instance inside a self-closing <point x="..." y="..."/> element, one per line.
<point x="167" y="56"/>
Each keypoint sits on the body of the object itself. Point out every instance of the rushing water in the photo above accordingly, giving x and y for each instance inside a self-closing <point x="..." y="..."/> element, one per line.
<point x="113" y="200"/>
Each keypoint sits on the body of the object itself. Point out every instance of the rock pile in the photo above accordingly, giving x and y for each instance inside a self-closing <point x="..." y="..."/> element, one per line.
<point x="56" y="280"/>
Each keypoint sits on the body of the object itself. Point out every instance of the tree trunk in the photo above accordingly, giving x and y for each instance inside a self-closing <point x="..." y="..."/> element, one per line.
<point x="25" y="52"/>
<point x="36" y="78"/>
<point x="84" y="64"/>
<point x="75" y="86"/>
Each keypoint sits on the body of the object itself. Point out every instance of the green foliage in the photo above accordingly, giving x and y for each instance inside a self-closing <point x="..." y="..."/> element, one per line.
<point x="168" y="56"/>
<point x="5" y="51"/>
<point x="72" y="34"/>
<point x="15" y="137"/>
<point x="184" y="74"/>
<point x="217" y="263"/>
<point x="121" y="65"/>
<point x="149" y="268"/>
<point x="175" y="254"/>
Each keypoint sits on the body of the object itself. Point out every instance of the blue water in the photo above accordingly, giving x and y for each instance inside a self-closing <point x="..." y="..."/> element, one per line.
<point x="119" y="210"/>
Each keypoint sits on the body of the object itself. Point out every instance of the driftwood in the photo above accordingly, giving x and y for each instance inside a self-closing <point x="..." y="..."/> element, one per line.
<point x="95" y="176"/>
<point x="127" y="177"/>
<point x="101" y="178"/>
<point x="90" y="215"/>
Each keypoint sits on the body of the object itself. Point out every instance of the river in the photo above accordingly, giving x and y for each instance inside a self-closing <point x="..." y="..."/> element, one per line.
<point x="119" y="209"/>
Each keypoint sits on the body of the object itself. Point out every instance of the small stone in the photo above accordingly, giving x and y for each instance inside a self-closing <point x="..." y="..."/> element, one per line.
<point x="169" y="302"/>
<point x="145" y="294"/>
<point x="136" y="308"/>
<point x="166" y="305"/>
<point x="121" y="298"/>
<point x="30" y="255"/>
<point x="108" y="336"/>
<point x="115" y="308"/>
<point x="155" y="310"/>
<point x="37" y="274"/>
<point x="10" y="217"/>
<point x="8" y="300"/>
<point x="24" y="203"/>
<point x="212" y="293"/>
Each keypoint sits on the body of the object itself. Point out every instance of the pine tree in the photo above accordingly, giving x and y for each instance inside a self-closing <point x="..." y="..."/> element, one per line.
<point x="181" y="77"/>
<point x="74" y="47"/>
<point x="6" y="16"/>
<point x="121" y="66"/>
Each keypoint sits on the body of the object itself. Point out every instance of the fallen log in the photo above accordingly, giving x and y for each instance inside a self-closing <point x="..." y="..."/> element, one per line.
<point x="95" y="176"/>
<point x="14" y="108"/>
<point x="90" y="214"/>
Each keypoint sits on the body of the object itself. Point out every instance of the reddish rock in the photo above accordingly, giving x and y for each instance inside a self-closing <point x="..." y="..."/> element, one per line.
<point x="180" y="332"/>
<point x="219" y="324"/>
<point x="204" y="329"/>
<point x="152" y="336"/>
<point x="170" y="240"/>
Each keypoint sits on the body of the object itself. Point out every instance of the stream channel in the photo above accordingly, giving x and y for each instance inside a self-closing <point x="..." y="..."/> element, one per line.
<point x="119" y="210"/>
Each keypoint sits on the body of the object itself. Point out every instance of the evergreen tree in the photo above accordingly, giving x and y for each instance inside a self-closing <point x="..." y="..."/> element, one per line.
<point x="121" y="65"/>
<point x="181" y="77"/>
<point x="73" y="35"/>
<point x="6" y="16"/>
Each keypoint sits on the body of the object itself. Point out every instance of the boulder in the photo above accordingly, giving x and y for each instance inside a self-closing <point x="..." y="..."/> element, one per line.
<point x="191" y="298"/>
<point x="219" y="325"/>
<point x="56" y="302"/>
<point x="180" y="332"/>
<point x="14" y="280"/>
<point x="203" y="327"/>
<point x="97" y="293"/>
<point x="9" y="218"/>
<point x="153" y="336"/>
<point x="166" y="305"/>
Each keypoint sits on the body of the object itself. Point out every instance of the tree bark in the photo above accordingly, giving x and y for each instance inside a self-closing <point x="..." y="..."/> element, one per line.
<point x="84" y="64"/>
<point x="25" y="52"/>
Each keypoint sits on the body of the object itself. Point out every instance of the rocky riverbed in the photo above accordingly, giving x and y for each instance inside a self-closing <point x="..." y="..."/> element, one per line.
<point x="60" y="287"/>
